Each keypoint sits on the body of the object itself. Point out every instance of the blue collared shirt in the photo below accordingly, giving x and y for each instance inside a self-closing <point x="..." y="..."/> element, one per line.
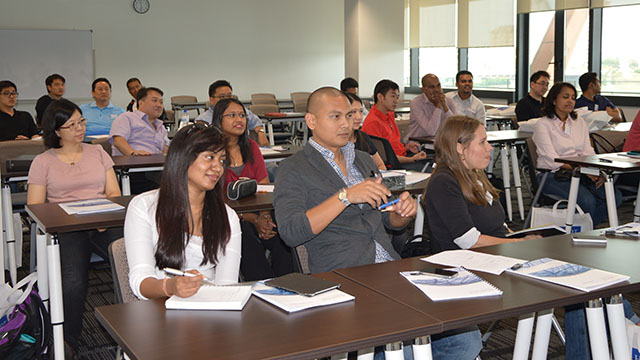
<point x="99" y="120"/>
<point x="253" y="121"/>
<point x="599" y="103"/>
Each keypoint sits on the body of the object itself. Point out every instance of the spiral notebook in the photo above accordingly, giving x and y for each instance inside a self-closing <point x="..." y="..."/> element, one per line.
<point x="463" y="286"/>
<point x="290" y="301"/>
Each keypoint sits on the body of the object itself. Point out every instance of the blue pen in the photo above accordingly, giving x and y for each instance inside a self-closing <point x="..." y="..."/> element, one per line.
<point x="393" y="202"/>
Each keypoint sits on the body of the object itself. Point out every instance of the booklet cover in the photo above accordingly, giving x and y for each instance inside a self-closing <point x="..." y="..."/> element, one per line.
<point x="209" y="297"/>
<point x="291" y="302"/>
<point x="567" y="274"/>
<point x="463" y="286"/>
<point x="544" y="231"/>
<point x="90" y="206"/>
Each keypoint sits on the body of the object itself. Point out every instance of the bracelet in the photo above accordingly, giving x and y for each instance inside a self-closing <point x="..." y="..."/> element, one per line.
<point x="164" y="287"/>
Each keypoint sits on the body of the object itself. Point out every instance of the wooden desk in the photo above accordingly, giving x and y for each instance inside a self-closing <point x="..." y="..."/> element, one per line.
<point x="289" y="150"/>
<point x="124" y="164"/>
<point x="285" y="117"/>
<point x="145" y="330"/>
<point x="403" y="110"/>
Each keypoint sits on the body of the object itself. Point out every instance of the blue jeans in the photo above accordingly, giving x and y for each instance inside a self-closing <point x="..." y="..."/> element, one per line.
<point x="590" y="199"/>
<point x="459" y="344"/>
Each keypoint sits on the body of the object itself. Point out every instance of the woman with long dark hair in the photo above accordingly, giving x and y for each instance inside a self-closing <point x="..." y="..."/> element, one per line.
<point x="360" y="138"/>
<point x="72" y="170"/>
<point x="185" y="224"/>
<point x="245" y="160"/>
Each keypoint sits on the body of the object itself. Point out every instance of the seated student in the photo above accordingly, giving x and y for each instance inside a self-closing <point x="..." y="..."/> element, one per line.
<point x="590" y="86"/>
<point x="100" y="113"/>
<point x="133" y="86"/>
<point x="466" y="103"/>
<point x="72" y="170"/>
<point x="350" y="85"/>
<point x="530" y="106"/>
<point x="258" y="229"/>
<point x="55" y="90"/>
<point x="562" y="133"/>
<point x="473" y="215"/>
<point x="429" y="110"/>
<point x="381" y="122"/>
<point x="14" y="124"/>
<point x="361" y="139"/>
<point x="185" y="224"/>
<point x="326" y="201"/>
<point x="221" y="89"/>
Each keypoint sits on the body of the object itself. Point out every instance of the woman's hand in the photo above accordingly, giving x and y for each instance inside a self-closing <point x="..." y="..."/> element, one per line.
<point x="185" y="286"/>
<point x="265" y="225"/>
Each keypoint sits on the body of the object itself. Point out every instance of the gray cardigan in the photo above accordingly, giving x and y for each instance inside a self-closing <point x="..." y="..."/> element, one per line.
<point x="304" y="181"/>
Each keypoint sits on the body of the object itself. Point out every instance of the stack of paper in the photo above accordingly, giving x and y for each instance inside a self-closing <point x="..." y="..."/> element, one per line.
<point x="91" y="206"/>
<point x="292" y="302"/>
<point x="208" y="297"/>
<point x="462" y="286"/>
<point x="414" y="177"/>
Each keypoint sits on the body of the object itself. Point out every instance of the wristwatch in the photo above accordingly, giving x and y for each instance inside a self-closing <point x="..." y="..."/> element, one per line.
<point x="343" y="197"/>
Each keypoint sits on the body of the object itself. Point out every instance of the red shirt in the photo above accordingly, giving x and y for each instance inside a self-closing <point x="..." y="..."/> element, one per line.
<point x="384" y="126"/>
<point x="633" y="139"/>
<point x="256" y="170"/>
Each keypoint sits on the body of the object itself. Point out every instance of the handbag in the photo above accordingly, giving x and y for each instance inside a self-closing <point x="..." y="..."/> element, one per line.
<point x="241" y="188"/>
<point x="633" y="332"/>
<point x="541" y="216"/>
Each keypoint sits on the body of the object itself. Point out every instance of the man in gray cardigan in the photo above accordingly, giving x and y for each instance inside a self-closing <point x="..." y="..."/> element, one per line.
<point x="327" y="195"/>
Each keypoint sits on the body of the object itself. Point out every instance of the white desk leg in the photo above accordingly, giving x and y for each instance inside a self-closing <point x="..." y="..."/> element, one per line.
<point x="56" y="307"/>
<point x="2" y="236"/>
<point x="343" y="356"/>
<point x="272" y="140"/>
<point x="541" y="340"/>
<point x="419" y="221"/>
<point x="366" y="354"/>
<point x="523" y="337"/>
<point x="618" y="328"/>
<point x="573" y="198"/>
<point x="516" y="179"/>
<point x="504" y="157"/>
<point x="43" y="267"/>
<point x="126" y="183"/>
<point x="422" y="348"/>
<point x="394" y="351"/>
<point x="9" y="234"/>
<point x="597" y="330"/>
<point x="611" y="200"/>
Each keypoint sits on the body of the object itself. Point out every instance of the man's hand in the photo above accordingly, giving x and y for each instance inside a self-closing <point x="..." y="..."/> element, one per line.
<point x="141" y="153"/>
<point x="21" y="137"/>
<point x="369" y="191"/>
<point x="442" y="103"/>
<point x="262" y="139"/>
<point x="407" y="206"/>
<point x="265" y="225"/>
<point x="413" y="146"/>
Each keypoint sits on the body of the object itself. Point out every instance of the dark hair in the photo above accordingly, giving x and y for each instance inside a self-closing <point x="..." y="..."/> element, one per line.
<point x="174" y="218"/>
<point x="243" y="140"/>
<point x="57" y="113"/>
<point x="548" y="108"/>
<point x="360" y="135"/>
<point x="143" y="92"/>
<point x="132" y="80"/>
<point x="53" y="77"/>
<point x="463" y="72"/>
<point x="219" y="83"/>
<point x="352" y="97"/>
<point x="348" y="83"/>
<point x="538" y="74"/>
<point x="96" y="81"/>
<point x="7" y="84"/>
<point x="383" y="87"/>
<point x="586" y="79"/>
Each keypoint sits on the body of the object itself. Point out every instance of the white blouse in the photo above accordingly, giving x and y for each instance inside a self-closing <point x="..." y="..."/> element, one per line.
<point x="553" y="142"/>
<point x="141" y="239"/>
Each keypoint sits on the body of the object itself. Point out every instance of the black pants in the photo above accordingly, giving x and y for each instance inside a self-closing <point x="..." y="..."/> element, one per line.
<point x="254" y="265"/>
<point x="75" y="253"/>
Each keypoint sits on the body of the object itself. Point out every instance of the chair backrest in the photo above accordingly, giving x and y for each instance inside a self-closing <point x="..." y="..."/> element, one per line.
<point x="624" y="118"/>
<point x="104" y="142"/>
<point x="403" y="127"/>
<point x="300" y="96"/>
<point x="263" y="98"/>
<point x="120" y="272"/>
<point x="301" y="259"/>
<point x="533" y="161"/>
<point x="386" y="152"/>
<point x="11" y="149"/>
<point x="300" y="106"/>
<point x="183" y="99"/>
<point x="604" y="141"/>
<point x="261" y="109"/>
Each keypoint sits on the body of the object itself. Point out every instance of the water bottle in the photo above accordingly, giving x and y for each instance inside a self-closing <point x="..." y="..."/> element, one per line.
<point x="184" y="119"/>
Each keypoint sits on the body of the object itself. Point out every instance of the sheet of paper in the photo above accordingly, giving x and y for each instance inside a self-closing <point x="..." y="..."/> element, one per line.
<point x="269" y="151"/>
<point x="414" y="177"/>
<point x="494" y="264"/>
<point x="265" y="188"/>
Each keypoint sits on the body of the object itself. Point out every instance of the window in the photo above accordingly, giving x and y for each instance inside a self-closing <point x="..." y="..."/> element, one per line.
<point x="576" y="44"/>
<point x="442" y="62"/>
<point x="541" y="42"/>
<point x="407" y="67"/>
<point x="493" y="68"/>
<point x="620" y="72"/>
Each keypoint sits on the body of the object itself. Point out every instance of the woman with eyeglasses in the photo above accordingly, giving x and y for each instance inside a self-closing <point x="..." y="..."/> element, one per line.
<point x="185" y="224"/>
<point x="244" y="160"/>
<point x="71" y="170"/>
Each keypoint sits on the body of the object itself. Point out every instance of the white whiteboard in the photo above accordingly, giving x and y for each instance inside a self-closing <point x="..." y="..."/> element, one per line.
<point x="29" y="56"/>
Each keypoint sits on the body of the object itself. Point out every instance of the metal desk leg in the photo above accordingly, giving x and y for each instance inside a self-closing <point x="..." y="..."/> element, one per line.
<point x="56" y="307"/>
<point x="9" y="234"/>
<point x="272" y="140"/>
<point x="422" y="348"/>
<point x="573" y="198"/>
<point x="611" y="200"/>
<point x="523" y="337"/>
<point x="506" y="178"/>
<point x="126" y="183"/>
<point x="343" y="356"/>
<point x="43" y="267"/>
<point x="516" y="179"/>
<point x="543" y="330"/>
<point x="597" y="330"/>
<point x="618" y="328"/>
<point x="394" y="351"/>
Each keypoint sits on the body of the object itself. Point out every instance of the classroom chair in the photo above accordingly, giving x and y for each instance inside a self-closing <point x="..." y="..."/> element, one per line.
<point x="386" y="152"/>
<point x="263" y="98"/>
<point x="263" y="108"/>
<point x="300" y="260"/>
<point x="299" y="100"/>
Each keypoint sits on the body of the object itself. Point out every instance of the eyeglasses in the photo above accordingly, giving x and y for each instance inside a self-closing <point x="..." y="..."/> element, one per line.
<point x="545" y="84"/>
<point x="235" y="115"/>
<point x="80" y="124"/>
<point x="10" y="94"/>
<point x="224" y="96"/>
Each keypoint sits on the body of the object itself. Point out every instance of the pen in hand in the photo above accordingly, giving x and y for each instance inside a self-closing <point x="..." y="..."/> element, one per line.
<point x="176" y="272"/>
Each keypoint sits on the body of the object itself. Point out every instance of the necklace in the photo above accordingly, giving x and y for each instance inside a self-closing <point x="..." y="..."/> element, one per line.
<point x="72" y="160"/>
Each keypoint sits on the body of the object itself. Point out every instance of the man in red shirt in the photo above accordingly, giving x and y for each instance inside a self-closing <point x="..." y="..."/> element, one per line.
<point x="381" y="122"/>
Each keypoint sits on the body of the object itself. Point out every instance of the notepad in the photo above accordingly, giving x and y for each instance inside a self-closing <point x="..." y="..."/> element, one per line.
<point x="292" y="302"/>
<point x="465" y="285"/>
<point x="567" y="274"/>
<point x="211" y="297"/>
<point x="91" y="206"/>
<point x="306" y="285"/>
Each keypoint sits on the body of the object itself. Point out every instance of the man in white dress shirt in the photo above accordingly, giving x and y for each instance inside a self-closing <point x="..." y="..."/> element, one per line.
<point x="467" y="103"/>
